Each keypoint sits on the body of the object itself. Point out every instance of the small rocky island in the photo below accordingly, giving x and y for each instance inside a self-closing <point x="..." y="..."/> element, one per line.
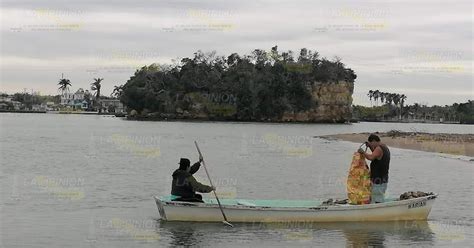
<point x="264" y="86"/>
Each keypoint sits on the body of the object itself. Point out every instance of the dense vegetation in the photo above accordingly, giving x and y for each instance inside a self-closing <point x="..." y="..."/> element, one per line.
<point x="465" y="111"/>
<point x="28" y="100"/>
<point x="264" y="84"/>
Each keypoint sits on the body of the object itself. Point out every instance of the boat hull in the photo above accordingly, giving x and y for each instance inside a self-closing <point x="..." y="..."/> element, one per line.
<point x="411" y="209"/>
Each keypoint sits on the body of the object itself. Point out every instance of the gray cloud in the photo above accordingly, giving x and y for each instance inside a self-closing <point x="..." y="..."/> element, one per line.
<point x="411" y="47"/>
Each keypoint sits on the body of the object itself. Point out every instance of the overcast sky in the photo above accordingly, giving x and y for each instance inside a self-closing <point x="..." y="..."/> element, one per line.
<point x="422" y="49"/>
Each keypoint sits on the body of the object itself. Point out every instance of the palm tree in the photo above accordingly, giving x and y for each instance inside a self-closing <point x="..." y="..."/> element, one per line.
<point x="95" y="86"/>
<point x="117" y="92"/>
<point x="64" y="85"/>
<point x="370" y="95"/>
<point x="382" y="97"/>
<point x="402" y="101"/>
<point x="390" y="98"/>
<point x="396" y="101"/>
<point x="376" y="96"/>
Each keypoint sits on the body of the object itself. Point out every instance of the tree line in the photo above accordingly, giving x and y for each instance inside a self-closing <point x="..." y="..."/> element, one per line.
<point x="393" y="105"/>
<point x="386" y="97"/>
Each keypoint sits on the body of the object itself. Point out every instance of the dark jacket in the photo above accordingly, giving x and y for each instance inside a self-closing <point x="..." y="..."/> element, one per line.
<point x="185" y="185"/>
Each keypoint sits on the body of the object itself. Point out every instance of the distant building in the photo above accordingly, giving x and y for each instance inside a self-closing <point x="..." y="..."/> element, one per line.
<point x="49" y="106"/>
<point x="16" y="105"/>
<point x="66" y="98"/>
<point x="75" y="100"/>
<point x="38" y="107"/>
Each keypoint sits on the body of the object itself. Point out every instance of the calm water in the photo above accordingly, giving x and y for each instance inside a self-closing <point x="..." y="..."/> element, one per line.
<point x="88" y="181"/>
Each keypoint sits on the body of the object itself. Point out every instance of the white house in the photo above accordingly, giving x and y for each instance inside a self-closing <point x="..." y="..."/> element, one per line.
<point x="75" y="100"/>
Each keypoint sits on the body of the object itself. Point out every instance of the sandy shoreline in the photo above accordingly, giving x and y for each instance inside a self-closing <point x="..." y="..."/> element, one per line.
<point x="455" y="144"/>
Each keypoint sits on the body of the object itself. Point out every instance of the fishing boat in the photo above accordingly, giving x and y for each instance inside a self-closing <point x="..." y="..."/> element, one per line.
<point x="240" y="210"/>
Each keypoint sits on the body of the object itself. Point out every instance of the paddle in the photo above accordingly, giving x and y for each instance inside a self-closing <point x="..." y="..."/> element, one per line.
<point x="217" y="198"/>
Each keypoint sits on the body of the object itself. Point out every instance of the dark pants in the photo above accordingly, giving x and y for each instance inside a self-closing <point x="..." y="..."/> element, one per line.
<point x="195" y="198"/>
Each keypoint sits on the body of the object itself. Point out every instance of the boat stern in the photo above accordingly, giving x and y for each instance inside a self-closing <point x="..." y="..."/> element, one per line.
<point x="161" y="209"/>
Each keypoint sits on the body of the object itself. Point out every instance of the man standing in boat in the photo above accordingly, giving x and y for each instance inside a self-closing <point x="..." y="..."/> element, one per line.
<point x="379" y="166"/>
<point x="184" y="185"/>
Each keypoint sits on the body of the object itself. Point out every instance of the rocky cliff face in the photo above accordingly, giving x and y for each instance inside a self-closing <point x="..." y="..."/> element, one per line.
<point x="332" y="104"/>
<point x="332" y="101"/>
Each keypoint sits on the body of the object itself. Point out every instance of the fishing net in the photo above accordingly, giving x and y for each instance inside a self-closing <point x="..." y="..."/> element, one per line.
<point x="358" y="182"/>
<point x="414" y="194"/>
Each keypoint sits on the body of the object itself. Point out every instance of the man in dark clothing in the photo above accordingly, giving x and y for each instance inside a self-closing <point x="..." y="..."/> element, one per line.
<point x="184" y="185"/>
<point x="379" y="166"/>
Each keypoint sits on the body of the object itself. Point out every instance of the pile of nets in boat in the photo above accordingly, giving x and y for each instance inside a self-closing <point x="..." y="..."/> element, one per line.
<point x="412" y="194"/>
<point x="330" y="202"/>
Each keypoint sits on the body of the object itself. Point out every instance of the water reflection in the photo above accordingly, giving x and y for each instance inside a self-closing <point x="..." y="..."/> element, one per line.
<point x="350" y="234"/>
<point x="375" y="234"/>
<point x="180" y="234"/>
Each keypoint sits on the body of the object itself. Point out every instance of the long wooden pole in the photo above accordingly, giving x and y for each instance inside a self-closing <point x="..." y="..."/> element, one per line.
<point x="217" y="198"/>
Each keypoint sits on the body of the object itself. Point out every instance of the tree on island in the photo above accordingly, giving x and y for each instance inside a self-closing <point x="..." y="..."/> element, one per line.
<point x="95" y="86"/>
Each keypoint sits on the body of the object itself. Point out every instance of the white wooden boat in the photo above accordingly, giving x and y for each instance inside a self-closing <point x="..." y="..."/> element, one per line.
<point x="239" y="210"/>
